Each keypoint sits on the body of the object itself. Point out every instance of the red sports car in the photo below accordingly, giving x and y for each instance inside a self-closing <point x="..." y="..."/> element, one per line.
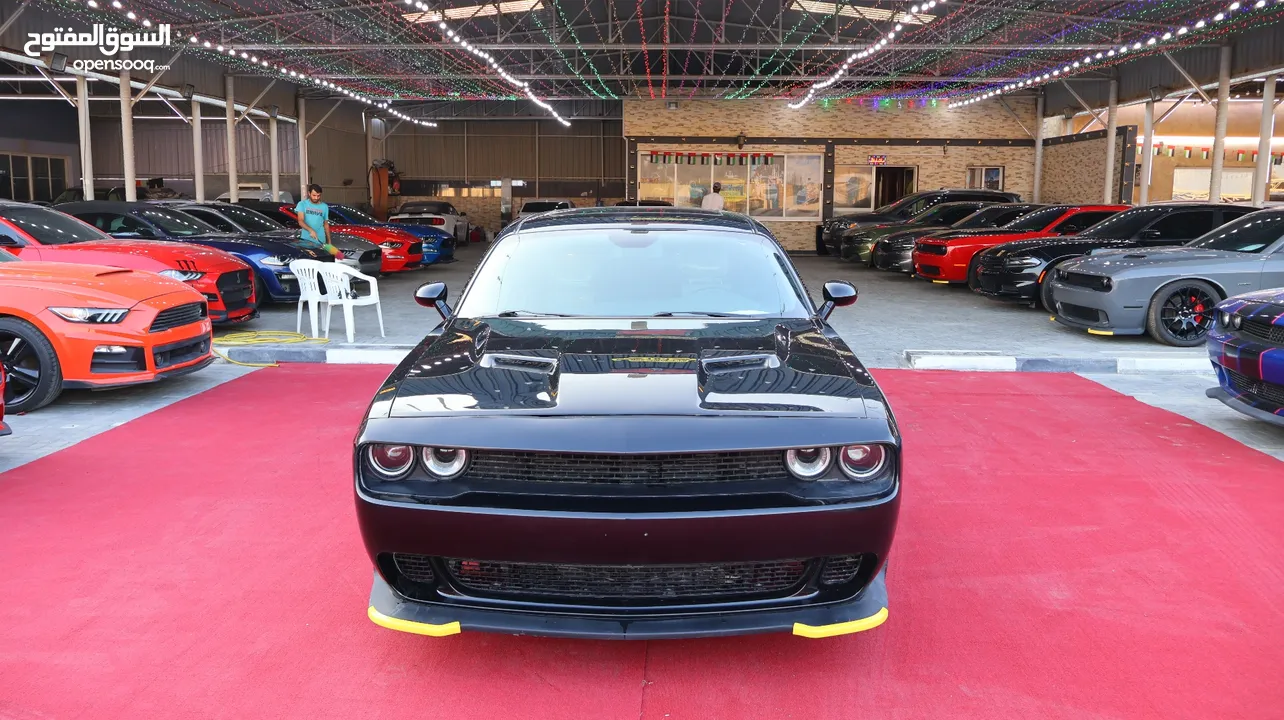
<point x="33" y="232"/>
<point x="950" y="257"/>
<point x="401" y="250"/>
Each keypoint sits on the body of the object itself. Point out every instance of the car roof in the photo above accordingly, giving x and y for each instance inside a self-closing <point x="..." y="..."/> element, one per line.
<point x="614" y="215"/>
<point x="107" y="205"/>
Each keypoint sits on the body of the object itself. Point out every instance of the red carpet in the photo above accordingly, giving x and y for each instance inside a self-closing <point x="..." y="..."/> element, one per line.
<point x="1064" y="552"/>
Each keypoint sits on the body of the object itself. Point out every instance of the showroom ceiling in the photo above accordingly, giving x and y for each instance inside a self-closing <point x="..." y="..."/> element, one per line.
<point x="799" y="50"/>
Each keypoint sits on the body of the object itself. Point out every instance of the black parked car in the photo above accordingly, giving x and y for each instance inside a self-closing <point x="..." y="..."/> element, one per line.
<point x="902" y="210"/>
<point x="633" y="425"/>
<point x="893" y="251"/>
<point x="1018" y="270"/>
<point x="858" y="243"/>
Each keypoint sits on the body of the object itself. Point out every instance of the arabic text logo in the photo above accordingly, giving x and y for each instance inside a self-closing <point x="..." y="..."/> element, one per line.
<point x="109" y="40"/>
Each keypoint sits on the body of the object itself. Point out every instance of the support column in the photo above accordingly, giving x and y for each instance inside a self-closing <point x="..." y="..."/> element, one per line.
<point x="370" y="138"/>
<point x="1265" y="131"/>
<point x="1112" y="123"/>
<point x="1147" y="152"/>
<point x="1219" y="131"/>
<point x="198" y="153"/>
<point x="302" y="126"/>
<point x="127" y="135"/>
<point x="1038" y="148"/>
<point x="233" y="195"/>
<point x="275" y="161"/>
<point x="86" y="145"/>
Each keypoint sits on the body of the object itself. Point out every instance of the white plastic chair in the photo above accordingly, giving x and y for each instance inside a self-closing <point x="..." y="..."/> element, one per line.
<point x="306" y="273"/>
<point x="338" y="286"/>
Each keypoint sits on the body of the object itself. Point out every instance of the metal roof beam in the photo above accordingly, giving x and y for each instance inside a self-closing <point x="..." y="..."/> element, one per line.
<point x="689" y="78"/>
<point x="700" y="47"/>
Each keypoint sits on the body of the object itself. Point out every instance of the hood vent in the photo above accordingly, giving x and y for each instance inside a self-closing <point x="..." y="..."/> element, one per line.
<point x="1134" y="256"/>
<point x="524" y="363"/>
<point x="740" y="363"/>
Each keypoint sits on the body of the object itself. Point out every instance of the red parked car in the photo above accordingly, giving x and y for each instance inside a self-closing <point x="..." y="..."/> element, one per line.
<point x="951" y="257"/>
<point x="401" y="250"/>
<point x="39" y="233"/>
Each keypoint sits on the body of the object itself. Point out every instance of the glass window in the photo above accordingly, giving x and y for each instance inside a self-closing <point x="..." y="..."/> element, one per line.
<point x="251" y="220"/>
<point x="985" y="178"/>
<point x="805" y="176"/>
<point x="40" y="179"/>
<point x="176" y="223"/>
<point x="1180" y="226"/>
<point x="627" y="273"/>
<point x="119" y="225"/>
<point x="6" y="180"/>
<point x="694" y="182"/>
<point x="767" y="190"/>
<point x="853" y="188"/>
<point x="655" y="180"/>
<point x="57" y="176"/>
<point x="1249" y="234"/>
<point x="352" y="215"/>
<point x="1037" y="219"/>
<point x="217" y="221"/>
<point x="50" y="227"/>
<point x="735" y="186"/>
<point x="1124" y="225"/>
<point x="21" y="178"/>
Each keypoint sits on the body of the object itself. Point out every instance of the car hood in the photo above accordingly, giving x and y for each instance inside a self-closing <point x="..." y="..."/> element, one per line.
<point x="979" y="232"/>
<point x="423" y="232"/>
<point x="1108" y="261"/>
<point x="878" y="232"/>
<point x="866" y="220"/>
<point x="247" y="244"/>
<point x="169" y="254"/>
<point x="1272" y="296"/>
<point x="1056" y="245"/>
<point x="93" y="285"/>
<point x="655" y="367"/>
<point x="342" y="240"/>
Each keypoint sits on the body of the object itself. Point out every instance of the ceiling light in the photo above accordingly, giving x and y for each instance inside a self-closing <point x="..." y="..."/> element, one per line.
<point x="468" y="12"/>
<point x="829" y="9"/>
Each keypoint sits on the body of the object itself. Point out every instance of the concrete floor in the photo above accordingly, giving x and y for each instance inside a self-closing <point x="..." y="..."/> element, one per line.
<point x="894" y="314"/>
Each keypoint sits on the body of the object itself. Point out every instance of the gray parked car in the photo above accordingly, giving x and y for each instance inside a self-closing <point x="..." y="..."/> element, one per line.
<point x="1170" y="292"/>
<point x="358" y="253"/>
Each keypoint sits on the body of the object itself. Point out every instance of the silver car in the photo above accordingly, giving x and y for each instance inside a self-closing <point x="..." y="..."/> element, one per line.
<point x="1170" y="292"/>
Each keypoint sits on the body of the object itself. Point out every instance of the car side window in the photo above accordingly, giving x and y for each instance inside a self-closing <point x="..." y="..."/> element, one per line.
<point x="1081" y="221"/>
<point x="1229" y="214"/>
<point x="1180" y="226"/>
<point x="117" y="224"/>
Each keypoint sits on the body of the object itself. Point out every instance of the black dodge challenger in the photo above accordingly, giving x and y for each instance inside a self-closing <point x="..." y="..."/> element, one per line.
<point x="635" y="423"/>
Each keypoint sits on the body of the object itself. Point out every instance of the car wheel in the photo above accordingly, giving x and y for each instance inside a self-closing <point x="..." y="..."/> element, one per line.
<point x="34" y="377"/>
<point x="261" y="292"/>
<point x="973" y="282"/>
<point x="1044" y="291"/>
<point x="1181" y="313"/>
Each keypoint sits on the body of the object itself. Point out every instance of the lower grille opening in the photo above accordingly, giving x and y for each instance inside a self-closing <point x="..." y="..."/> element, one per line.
<point x="1259" y="390"/>
<point x="1080" y="312"/>
<point x="929" y="270"/>
<point x="416" y="568"/>
<point x="840" y="569"/>
<point x="180" y="352"/>
<point x="132" y="360"/>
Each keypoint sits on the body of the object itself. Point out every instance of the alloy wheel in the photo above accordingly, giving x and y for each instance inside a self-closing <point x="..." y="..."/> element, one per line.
<point x="1186" y="312"/>
<point x="21" y="368"/>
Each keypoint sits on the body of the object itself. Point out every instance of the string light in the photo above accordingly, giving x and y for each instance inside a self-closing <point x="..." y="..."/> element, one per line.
<point x="1067" y="69"/>
<point x="499" y="70"/>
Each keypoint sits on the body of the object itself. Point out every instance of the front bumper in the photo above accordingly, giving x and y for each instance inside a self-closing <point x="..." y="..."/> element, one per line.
<point x="1100" y="313"/>
<point x="898" y="259"/>
<point x="1250" y="375"/>
<point x="863" y="528"/>
<point x="1003" y="282"/>
<point x="857" y="250"/>
<point x="5" y="429"/>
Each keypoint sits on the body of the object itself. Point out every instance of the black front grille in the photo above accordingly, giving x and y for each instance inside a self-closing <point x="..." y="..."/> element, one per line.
<point x="1263" y="331"/>
<point x="369" y="256"/>
<point x="1080" y="312"/>
<point x="178" y="316"/>
<point x="628" y="582"/>
<point x="1259" y="390"/>
<point x="904" y="243"/>
<point x="927" y="249"/>
<point x="415" y="249"/>
<point x="235" y="288"/>
<point x="1084" y="280"/>
<point x="180" y="352"/>
<point x="840" y="569"/>
<point x="132" y="360"/>
<point x="991" y="262"/>
<point x="416" y="568"/>
<point x="628" y="469"/>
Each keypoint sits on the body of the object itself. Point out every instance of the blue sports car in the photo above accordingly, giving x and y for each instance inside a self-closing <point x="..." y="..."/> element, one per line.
<point x="439" y="245"/>
<point x="1246" y="345"/>
<point x="269" y="257"/>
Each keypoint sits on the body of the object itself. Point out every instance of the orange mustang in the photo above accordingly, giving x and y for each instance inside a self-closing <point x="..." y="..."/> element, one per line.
<point x="66" y="325"/>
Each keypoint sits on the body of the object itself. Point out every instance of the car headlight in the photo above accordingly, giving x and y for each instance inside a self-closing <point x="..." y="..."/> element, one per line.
<point x="184" y="275"/>
<point x="390" y="245"/>
<point x="808" y="463"/>
<point x="274" y="261"/>
<point x="444" y="463"/>
<point x="1224" y="319"/>
<point x="1023" y="262"/>
<point x="92" y="316"/>
<point x="391" y="462"/>
<point x="862" y="462"/>
<point x="1236" y="321"/>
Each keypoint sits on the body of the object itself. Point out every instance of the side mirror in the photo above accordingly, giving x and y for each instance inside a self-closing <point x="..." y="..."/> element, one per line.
<point x="7" y="241"/>
<point x="837" y="294"/>
<point x="433" y="295"/>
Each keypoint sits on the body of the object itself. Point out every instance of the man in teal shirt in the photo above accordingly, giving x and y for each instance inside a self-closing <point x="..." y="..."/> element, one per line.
<point x="314" y="219"/>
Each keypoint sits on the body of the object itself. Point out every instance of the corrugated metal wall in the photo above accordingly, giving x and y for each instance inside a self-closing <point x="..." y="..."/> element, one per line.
<point x="164" y="149"/>
<point x="488" y="150"/>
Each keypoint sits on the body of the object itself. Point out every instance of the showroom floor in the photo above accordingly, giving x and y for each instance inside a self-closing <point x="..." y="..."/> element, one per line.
<point x="894" y="314"/>
<point x="1048" y="564"/>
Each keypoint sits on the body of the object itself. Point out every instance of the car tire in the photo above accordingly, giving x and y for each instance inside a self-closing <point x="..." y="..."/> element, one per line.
<point x="33" y="349"/>
<point x="1181" y="313"/>
<point x="972" y="283"/>
<point x="261" y="295"/>
<point x="1044" y="291"/>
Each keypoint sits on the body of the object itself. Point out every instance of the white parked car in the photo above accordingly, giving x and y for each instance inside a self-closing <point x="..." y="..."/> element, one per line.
<point x="435" y="213"/>
<point x="256" y="191"/>
<point x="535" y="207"/>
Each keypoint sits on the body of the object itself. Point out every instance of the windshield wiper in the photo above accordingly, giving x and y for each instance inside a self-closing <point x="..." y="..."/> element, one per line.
<point x="529" y="313"/>
<point x="671" y="313"/>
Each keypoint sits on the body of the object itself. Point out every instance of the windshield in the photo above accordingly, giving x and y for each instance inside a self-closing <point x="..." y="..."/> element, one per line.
<point x="355" y="216"/>
<point x="175" y="223"/>
<point x="1251" y="233"/>
<point x="634" y="273"/>
<point x="543" y="206"/>
<point x="6" y="256"/>
<point x="907" y="206"/>
<point x="249" y="219"/>
<point x="50" y="227"/>
<point x="992" y="216"/>
<point x="1038" y="219"/>
<point x="1124" y="225"/>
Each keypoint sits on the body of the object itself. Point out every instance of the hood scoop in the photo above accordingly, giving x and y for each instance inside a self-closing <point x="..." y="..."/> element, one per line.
<point x="739" y="363"/>
<point x="522" y="363"/>
<point x="1135" y="256"/>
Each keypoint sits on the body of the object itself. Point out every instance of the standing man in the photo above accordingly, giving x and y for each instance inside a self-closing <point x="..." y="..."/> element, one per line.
<point x="713" y="201"/>
<point x="314" y="221"/>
